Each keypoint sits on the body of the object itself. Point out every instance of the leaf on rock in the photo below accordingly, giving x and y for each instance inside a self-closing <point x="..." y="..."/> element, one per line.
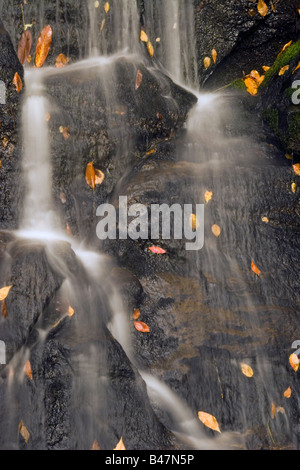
<point x="143" y="36"/>
<point x="288" y="393"/>
<point x="120" y="445"/>
<point x="4" y="292"/>
<point x="208" y="196"/>
<point x="95" y="446"/>
<point x="141" y="326"/>
<point x="106" y="7"/>
<point x="24" y="46"/>
<point x="24" y="431"/>
<point x="209" y="421"/>
<point x="65" y="132"/>
<point x="157" y="250"/>
<point x="17" y="81"/>
<point x="298" y="67"/>
<point x="273" y="410"/>
<point x="194" y="223"/>
<point x="216" y="230"/>
<point x="294" y="362"/>
<point x="61" y="61"/>
<point x="139" y="79"/>
<point x="99" y="177"/>
<point x="296" y="169"/>
<point x="71" y="311"/>
<point x="247" y="370"/>
<point x="283" y="70"/>
<point x="136" y="314"/>
<point x="251" y="85"/>
<point x="28" y="370"/>
<point x="265" y="220"/>
<point x="285" y="48"/>
<point x="207" y="62"/>
<point x="214" y="55"/>
<point x="4" y="309"/>
<point x="262" y="8"/>
<point x="255" y="269"/>
<point x="43" y="46"/>
<point x="266" y="68"/>
<point x="150" y="49"/>
<point x="294" y="188"/>
<point x="90" y="175"/>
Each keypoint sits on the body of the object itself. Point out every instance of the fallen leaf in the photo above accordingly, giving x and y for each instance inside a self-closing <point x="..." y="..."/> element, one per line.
<point x="157" y="39"/>
<point x="136" y="314"/>
<point x="194" y="223"/>
<point x="143" y="36"/>
<point x="107" y="7"/>
<point x="251" y="85"/>
<point x="208" y="196"/>
<point x="255" y="269"/>
<point x="17" y="81"/>
<point x="157" y="250"/>
<point x="24" y="431"/>
<point x="141" y="326"/>
<point x="90" y="175"/>
<point x="283" y="70"/>
<point x="273" y="7"/>
<point x="150" y="152"/>
<point x="68" y="230"/>
<point x="139" y="79"/>
<point x="280" y="409"/>
<point x="65" y="132"/>
<point x="102" y="25"/>
<point x="247" y="370"/>
<point x="296" y="168"/>
<point x="294" y="362"/>
<point x="99" y="177"/>
<point x="288" y="157"/>
<point x="71" y="311"/>
<point x="27" y="370"/>
<point x="4" y="292"/>
<point x="216" y="230"/>
<point x="288" y="393"/>
<point x="96" y="4"/>
<point x="207" y="62"/>
<point x="285" y="48"/>
<point x="214" y="55"/>
<point x="24" y="47"/>
<point x="63" y="198"/>
<point x="273" y="410"/>
<point x="95" y="446"/>
<point x="265" y="220"/>
<point x="209" y="421"/>
<point x="298" y="67"/>
<point x="61" y="61"/>
<point x="120" y="445"/>
<point x="294" y="188"/>
<point x="262" y="8"/>
<point x="4" y="309"/>
<point x="43" y="46"/>
<point x="150" y="49"/>
<point x="265" y="68"/>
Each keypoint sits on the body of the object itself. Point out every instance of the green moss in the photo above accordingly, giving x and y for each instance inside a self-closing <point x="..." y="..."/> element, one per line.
<point x="293" y="138"/>
<point x="238" y="84"/>
<point x="271" y="116"/>
<point x="292" y="52"/>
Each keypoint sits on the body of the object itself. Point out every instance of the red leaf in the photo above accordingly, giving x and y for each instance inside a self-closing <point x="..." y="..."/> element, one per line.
<point x="43" y="46"/>
<point x="140" y="326"/>
<point x="24" y="46"/>
<point x="17" y="81"/>
<point x="157" y="250"/>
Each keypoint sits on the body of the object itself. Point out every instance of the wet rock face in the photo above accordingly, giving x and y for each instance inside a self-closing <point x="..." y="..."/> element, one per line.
<point x="243" y="39"/>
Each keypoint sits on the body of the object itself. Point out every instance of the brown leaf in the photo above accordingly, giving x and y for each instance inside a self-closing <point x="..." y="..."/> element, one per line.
<point x="139" y="79"/>
<point x="4" y="309"/>
<point x="255" y="269"/>
<point x="294" y="362"/>
<point x="247" y="370"/>
<point x="95" y="446"/>
<point x="150" y="49"/>
<point x="262" y="8"/>
<point x="120" y="445"/>
<point x="27" y="370"/>
<point x="4" y="292"/>
<point x="24" y="46"/>
<point x="17" y="81"/>
<point x="24" y="431"/>
<point x="296" y="169"/>
<point x="136" y="314"/>
<point x="141" y="326"/>
<point x="216" y="230"/>
<point x="288" y="393"/>
<point x="43" y="46"/>
<point x="209" y="421"/>
<point x="61" y="61"/>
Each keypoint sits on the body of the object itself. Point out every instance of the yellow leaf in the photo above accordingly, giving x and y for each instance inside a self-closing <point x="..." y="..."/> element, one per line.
<point x="251" y="85"/>
<point x="27" y="370"/>
<point x="194" y="222"/>
<point x="4" y="292"/>
<point x="95" y="446"/>
<point x="247" y="370"/>
<point x="285" y="48"/>
<point x="288" y="157"/>
<point x="266" y="68"/>
<point x="143" y="36"/>
<point x="216" y="230"/>
<point x="296" y="168"/>
<point x="102" y="25"/>
<point x="214" y="55"/>
<point x="294" y="362"/>
<point x="283" y="70"/>
<point x="209" y="421"/>
<point x="294" y="188"/>
<point x="207" y="62"/>
<point x="24" y="431"/>
<point x="208" y="196"/>
<point x="99" y="177"/>
<point x="150" y="49"/>
<point x="107" y="7"/>
<point x="265" y="220"/>
<point x="120" y="445"/>
<point x="71" y="311"/>
<point x="298" y="67"/>
<point x="273" y="7"/>
<point x="262" y="8"/>
<point x="288" y="393"/>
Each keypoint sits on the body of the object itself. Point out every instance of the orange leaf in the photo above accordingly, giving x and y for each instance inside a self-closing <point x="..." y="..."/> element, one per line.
<point x="140" y="326"/>
<point x="71" y="311"/>
<point x="61" y="61"/>
<point x="288" y="393"/>
<point x="247" y="370"/>
<point x="143" y="36"/>
<point x="27" y="370"/>
<point x="266" y="68"/>
<point x="157" y="250"/>
<point x="90" y="175"/>
<point x="24" y="46"/>
<point x="296" y="168"/>
<point x="251" y="85"/>
<point x="214" y="55"/>
<point x="99" y="177"/>
<point x="95" y="446"/>
<point x="4" y="309"/>
<point x="194" y="222"/>
<point x="262" y="8"/>
<point x="150" y="49"/>
<point x="255" y="269"/>
<point x="294" y="362"/>
<point x="136" y="314"/>
<point x="24" y="431"/>
<point x="265" y="220"/>
<point x="65" y="132"/>
<point x="207" y="62"/>
<point x="273" y="410"/>
<point x="43" y="46"/>
<point x="107" y="7"/>
<point x="209" y="421"/>
<point x="285" y="47"/>
<point x="120" y="445"/>
<point x="4" y="292"/>
<point x="139" y="79"/>
<point x="298" y="67"/>
<point x="208" y="196"/>
<point x="18" y="82"/>
<point x="216" y="230"/>
<point x="283" y="70"/>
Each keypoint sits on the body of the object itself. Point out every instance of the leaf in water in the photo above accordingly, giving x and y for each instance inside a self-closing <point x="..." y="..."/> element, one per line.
<point x="194" y="222"/>
<point x="17" y="81"/>
<point x="294" y="188"/>
<point x="255" y="269"/>
<point x="214" y="55"/>
<point x="139" y="79"/>
<point x="150" y="49"/>
<point x="120" y="445"/>
<point x="4" y="292"/>
<point x="90" y="175"/>
<point x="247" y="370"/>
<point x="216" y="230"/>
<point x="296" y="169"/>
<point x="288" y="393"/>
<point x="95" y="446"/>
<point x="136" y="314"/>
<point x="208" y="196"/>
<point x="107" y="7"/>
<point x="27" y="370"/>
<point x="141" y="326"/>
<point x="157" y="250"/>
<point x="143" y="36"/>
<point x="283" y="70"/>
<point x="61" y="61"/>
<point x="24" y="431"/>
<point x="265" y="220"/>
<point x="43" y="46"/>
<point x="71" y="311"/>
<point x="24" y="46"/>
<point x="294" y="362"/>
<point x="207" y="62"/>
<point x="262" y="8"/>
<point x="209" y="421"/>
<point x="4" y="309"/>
